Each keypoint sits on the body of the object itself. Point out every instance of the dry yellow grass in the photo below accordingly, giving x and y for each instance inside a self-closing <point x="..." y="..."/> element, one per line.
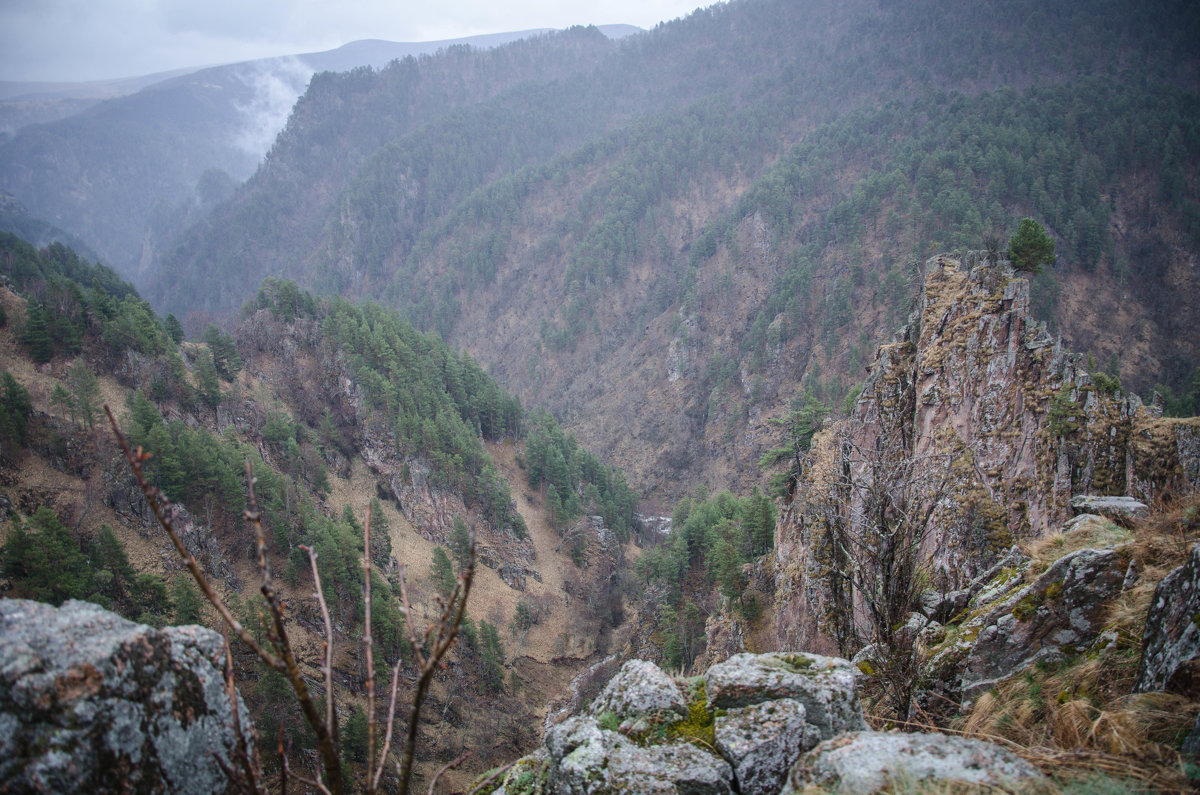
<point x="1079" y="718"/>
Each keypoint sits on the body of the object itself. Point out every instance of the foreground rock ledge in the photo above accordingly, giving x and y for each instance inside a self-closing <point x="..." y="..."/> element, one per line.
<point x="92" y="702"/>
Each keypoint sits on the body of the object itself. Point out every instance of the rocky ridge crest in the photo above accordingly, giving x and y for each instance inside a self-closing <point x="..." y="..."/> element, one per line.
<point x="974" y="391"/>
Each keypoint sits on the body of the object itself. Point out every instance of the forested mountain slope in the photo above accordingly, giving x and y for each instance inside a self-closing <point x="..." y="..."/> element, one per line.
<point x="333" y="407"/>
<point x="660" y="239"/>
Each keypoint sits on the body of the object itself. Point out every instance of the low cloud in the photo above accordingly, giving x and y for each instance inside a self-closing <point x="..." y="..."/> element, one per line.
<point x="276" y="85"/>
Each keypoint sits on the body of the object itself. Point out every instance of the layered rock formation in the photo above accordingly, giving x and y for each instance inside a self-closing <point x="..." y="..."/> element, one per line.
<point x="92" y="702"/>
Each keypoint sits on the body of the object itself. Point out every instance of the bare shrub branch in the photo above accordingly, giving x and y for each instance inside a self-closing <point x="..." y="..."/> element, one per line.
<point x="428" y="653"/>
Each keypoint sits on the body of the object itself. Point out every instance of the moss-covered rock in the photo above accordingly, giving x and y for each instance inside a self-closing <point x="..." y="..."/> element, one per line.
<point x="1058" y="615"/>
<point x="1171" y="645"/>
<point x="869" y="762"/>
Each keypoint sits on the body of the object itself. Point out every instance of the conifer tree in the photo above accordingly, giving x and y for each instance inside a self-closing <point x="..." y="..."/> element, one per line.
<point x="1030" y="247"/>
<point x="85" y="391"/>
<point x="15" y="408"/>
<point x="36" y="334"/>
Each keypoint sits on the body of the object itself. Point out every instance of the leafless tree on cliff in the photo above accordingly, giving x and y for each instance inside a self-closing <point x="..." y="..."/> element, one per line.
<point x="428" y="648"/>
<point x="882" y="550"/>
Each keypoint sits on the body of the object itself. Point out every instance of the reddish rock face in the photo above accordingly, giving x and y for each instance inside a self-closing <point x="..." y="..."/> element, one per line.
<point x="997" y="426"/>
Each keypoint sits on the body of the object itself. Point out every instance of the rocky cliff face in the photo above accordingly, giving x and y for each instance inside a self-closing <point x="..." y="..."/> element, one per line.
<point x="978" y="422"/>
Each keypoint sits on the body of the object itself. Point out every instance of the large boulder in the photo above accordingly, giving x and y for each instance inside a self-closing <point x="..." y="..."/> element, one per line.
<point x="588" y="760"/>
<point x="868" y="762"/>
<point x="1058" y="615"/>
<point x="762" y="741"/>
<point x="640" y="689"/>
<point x="1171" y="643"/>
<point x="90" y="701"/>
<point x="824" y="685"/>
<point x="1123" y="510"/>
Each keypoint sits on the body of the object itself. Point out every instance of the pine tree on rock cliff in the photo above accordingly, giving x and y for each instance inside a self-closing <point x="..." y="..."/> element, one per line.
<point x="1030" y="247"/>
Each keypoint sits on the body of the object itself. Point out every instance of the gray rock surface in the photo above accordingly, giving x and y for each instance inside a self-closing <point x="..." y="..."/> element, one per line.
<point x="866" y="762"/>
<point x="588" y="760"/>
<point x="943" y="607"/>
<point x="762" y="741"/>
<point x="1171" y="643"/>
<point x="92" y="702"/>
<point x="1059" y="614"/>
<point x="640" y="688"/>
<point x="1119" y="509"/>
<point x="824" y="685"/>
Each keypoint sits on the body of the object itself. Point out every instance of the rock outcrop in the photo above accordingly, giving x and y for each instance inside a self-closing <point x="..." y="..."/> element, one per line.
<point x="1058" y="615"/>
<point x="1125" y="510"/>
<point x="999" y="429"/>
<point x="640" y="690"/>
<point x="92" y="702"/>
<point x="824" y="685"/>
<point x="750" y="721"/>
<point x="1171" y="645"/>
<point x="584" y="758"/>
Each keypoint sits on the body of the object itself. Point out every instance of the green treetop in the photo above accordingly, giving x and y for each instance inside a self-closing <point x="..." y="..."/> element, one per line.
<point x="1030" y="247"/>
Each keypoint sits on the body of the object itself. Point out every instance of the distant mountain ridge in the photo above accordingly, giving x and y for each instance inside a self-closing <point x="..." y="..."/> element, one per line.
<point x="117" y="162"/>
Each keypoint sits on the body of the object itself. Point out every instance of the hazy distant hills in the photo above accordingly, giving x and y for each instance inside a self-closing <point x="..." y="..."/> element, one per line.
<point x="661" y="239"/>
<point x="118" y="162"/>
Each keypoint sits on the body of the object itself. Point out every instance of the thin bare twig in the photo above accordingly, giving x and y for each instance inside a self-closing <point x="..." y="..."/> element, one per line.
<point x="284" y="660"/>
<point x="327" y="669"/>
<point x="449" y="765"/>
<point x="439" y="637"/>
<point x="283" y="765"/>
<point x="387" y="737"/>
<point x="326" y="733"/>
<point x="246" y="753"/>
<point x="160" y="505"/>
<point x="310" y="782"/>
<point x="486" y="784"/>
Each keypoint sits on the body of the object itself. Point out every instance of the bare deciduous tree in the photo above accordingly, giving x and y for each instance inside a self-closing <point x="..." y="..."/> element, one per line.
<point x="428" y="648"/>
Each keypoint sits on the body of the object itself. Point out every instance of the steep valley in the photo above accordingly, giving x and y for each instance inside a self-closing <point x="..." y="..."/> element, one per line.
<point x="861" y="295"/>
<point x="664" y="239"/>
<point x="550" y="606"/>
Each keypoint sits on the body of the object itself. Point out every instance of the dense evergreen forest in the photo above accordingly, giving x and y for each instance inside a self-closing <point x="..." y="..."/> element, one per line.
<point x="752" y="185"/>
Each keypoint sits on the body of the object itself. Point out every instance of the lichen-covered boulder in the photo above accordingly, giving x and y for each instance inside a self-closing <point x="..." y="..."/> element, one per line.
<point x="762" y="741"/>
<point x="639" y="689"/>
<point x="92" y="702"/>
<point x="588" y="760"/>
<point x="868" y="762"/>
<point x="1171" y="643"/>
<point x="1060" y="614"/>
<point x="824" y="685"/>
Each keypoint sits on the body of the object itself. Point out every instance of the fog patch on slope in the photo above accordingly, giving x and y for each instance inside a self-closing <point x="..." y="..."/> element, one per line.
<point x="275" y="85"/>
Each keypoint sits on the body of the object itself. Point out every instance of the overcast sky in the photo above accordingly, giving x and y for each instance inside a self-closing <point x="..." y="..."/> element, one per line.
<point x="99" y="39"/>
